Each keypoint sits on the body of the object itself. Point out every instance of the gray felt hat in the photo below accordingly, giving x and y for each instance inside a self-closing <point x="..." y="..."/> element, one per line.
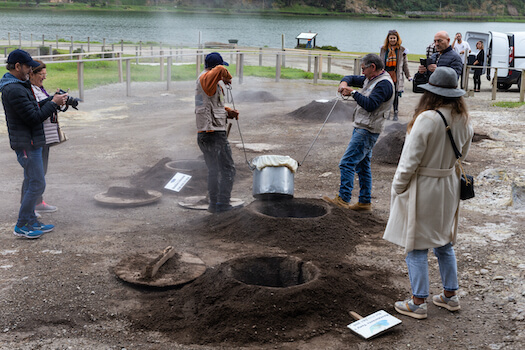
<point x="443" y="82"/>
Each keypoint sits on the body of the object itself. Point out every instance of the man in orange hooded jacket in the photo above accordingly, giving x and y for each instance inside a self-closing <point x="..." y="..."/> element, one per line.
<point x="211" y="116"/>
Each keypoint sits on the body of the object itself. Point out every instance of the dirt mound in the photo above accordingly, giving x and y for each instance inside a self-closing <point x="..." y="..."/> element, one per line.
<point x="157" y="176"/>
<point x="255" y="96"/>
<point x="317" y="111"/>
<point x="388" y="149"/>
<point x="217" y="308"/>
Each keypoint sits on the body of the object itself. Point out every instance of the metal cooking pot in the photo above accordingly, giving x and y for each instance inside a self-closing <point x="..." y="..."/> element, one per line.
<point x="273" y="176"/>
<point x="273" y="182"/>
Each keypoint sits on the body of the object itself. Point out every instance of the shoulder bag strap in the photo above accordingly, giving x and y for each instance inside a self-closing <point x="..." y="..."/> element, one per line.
<point x="449" y="133"/>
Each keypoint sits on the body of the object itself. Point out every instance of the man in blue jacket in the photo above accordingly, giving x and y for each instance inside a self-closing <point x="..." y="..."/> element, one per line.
<point x="374" y="100"/>
<point x="24" y="117"/>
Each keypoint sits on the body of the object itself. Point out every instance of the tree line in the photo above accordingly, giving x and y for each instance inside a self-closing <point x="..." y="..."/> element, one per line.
<point x="381" y="7"/>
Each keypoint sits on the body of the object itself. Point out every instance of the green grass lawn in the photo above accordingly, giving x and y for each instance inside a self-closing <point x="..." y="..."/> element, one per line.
<point x="64" y="75"/>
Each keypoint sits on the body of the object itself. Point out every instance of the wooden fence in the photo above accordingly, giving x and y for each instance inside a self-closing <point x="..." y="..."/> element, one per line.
<point x="310" y="60"/>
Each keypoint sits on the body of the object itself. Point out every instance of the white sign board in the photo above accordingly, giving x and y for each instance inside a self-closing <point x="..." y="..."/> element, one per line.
<point x="177" y="182"/>
<point x="374" y="324"/>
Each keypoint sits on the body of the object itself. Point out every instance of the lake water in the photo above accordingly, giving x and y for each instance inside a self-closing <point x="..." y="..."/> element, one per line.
<point x="359" y="35"/>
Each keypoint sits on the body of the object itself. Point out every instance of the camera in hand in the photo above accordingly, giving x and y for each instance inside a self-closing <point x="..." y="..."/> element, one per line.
<point x="423" y="61"/>
<point x="71" y="101"/>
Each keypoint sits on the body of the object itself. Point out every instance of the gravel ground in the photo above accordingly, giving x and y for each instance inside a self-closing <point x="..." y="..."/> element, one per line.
<point x="60" y="292"/>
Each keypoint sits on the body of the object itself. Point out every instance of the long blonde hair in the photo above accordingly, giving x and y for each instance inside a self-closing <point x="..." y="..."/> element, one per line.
<point x="430" y="101"/>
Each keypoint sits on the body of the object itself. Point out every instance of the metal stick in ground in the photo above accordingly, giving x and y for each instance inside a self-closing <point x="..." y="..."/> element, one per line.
<point x="229" y="98"/>
<point x="328" y="116"/>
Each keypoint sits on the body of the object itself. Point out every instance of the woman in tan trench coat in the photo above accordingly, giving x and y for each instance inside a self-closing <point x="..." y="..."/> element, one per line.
<point x="424" y="206"/>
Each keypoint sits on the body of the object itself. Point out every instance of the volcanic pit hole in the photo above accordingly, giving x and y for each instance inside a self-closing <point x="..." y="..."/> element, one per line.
<point x="273" y="271"/>
<point x="290" y="208"/>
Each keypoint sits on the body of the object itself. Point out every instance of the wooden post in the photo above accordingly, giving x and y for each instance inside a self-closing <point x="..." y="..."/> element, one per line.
<point x="161" y="63"/>
<point x="43" y="40"/>
<point x="136" y="55"/>
<point x="89" y="45"/>
<point x="112" y="50"/>
<point x="128" y="77"/>
<point x="120" y="73"/>
<point x="309" y="63"/>
<point x="151" y="51"/>
<point x="283" y="59"/>
<point x="168" y="72"/>
<point x="57" y="42"/>
<point x="278" y="67"/>
<point x="494" y="84"/>
<point x="80" y="72"/>
<point x="31" y="39"/>
<point x="71" y="41"/>
<point x="465" y="84"/>
<point x="237" y="63"/>
<point x="320" y="66"/>
<point x="19" y="40"/>
<point x="51" y="52"/>
<point x="522" y="85"/>
<point x="241" y="68"/>
<point x="9" y="38"/>
<point x="122" y="46"/>
<point x="316" y="69"/>
<point x="103" y="45"/>
<point x="71" y="52"/>
<point x="260" y="56"/>
<point x="464" y="76"/>
<point x="357" y="66"/>
<point x="198" y="63"/>
<point x="329" y="64"/>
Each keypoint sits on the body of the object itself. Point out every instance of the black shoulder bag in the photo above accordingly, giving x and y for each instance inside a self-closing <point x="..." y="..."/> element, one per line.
<point x="467" y="181"/>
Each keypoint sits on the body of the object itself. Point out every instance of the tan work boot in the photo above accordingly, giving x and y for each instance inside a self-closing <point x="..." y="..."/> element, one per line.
<point x="337" y="201"/>
<point x="361" y="207"/>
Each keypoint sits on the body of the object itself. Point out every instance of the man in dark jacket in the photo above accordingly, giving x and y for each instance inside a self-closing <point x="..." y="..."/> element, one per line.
<point x="444" y="57"/>
<point x="24" y="119"/>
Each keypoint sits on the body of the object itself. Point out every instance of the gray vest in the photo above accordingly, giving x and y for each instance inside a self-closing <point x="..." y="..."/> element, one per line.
<point x="209" y="110"/>
<point x="373" y="121"/>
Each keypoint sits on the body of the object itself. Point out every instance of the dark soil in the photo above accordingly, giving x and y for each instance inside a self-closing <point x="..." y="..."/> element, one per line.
<point x="255" y="96"/>
<point x="128" y="192"/>
<point x="318" y="111"/>
<point x="216" y="308"/>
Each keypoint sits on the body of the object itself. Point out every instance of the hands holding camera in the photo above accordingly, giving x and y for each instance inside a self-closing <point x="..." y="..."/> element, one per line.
<point x="60" y="99"/>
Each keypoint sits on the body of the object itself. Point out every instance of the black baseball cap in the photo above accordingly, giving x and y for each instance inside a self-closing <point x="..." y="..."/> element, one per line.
<point x="214" y="59"/>
<point x="21" y="56"/>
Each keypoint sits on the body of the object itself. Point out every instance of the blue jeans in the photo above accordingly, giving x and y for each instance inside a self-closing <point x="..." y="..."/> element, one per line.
<point x="357" y="159"/>
<point x="417" y="263"/>
<point x="221" y="169"/>
<point x="34" y="181"/>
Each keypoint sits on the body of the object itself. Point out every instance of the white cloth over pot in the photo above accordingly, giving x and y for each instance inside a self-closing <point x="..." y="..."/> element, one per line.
<point x="262" y="162"/>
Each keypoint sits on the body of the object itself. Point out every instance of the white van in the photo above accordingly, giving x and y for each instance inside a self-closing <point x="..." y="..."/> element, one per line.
<point x="502" y="50"/>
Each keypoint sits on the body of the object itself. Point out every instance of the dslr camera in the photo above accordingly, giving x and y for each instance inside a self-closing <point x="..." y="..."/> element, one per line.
<point x="71" y="101"/>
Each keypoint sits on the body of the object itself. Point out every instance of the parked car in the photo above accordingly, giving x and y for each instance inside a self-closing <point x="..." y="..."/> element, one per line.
<point x="504" y="51"/>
